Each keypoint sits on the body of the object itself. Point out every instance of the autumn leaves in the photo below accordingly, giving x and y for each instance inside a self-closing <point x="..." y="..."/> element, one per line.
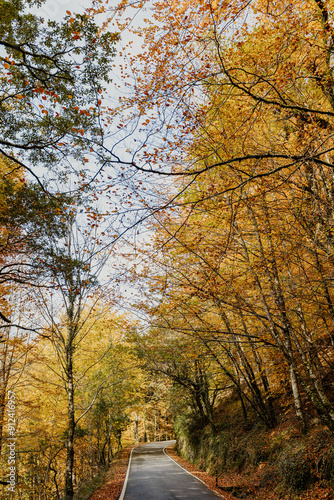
<point x="242" y="97"/>
<point x="228" y="152"/>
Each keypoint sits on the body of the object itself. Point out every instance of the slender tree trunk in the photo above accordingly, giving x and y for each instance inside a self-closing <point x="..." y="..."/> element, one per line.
<point x="136" y="432"/>
<point x="145" y="430"/>
<point x="296" y="399"/>
<point x="69" y="489"/>
<point x="4" y="374"/>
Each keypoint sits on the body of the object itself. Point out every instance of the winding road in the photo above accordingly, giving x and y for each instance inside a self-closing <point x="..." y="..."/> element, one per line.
<point x="153" y="475"/>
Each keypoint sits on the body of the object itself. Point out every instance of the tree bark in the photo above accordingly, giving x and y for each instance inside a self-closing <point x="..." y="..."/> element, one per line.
<point x="69" y="488"/>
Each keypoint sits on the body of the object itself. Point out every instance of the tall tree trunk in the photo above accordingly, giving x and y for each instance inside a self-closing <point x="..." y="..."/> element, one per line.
<point x="4" y="376"/>
<point x="136" y="429"/>
<point x="296" y="399"/>
<point x="69" y="489"/>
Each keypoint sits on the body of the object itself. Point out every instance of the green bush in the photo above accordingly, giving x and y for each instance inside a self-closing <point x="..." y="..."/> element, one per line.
<point x="325" y="466"/>
<point x="295" y="469"/>
<point x="88" y="487"/>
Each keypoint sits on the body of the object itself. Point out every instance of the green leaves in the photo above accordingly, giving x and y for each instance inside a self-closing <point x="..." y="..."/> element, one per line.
<point x="47" y="71"/>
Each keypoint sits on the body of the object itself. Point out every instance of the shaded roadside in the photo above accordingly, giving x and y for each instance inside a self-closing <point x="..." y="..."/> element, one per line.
<point x="205" y="477"/>
<point x="109" y="486"/>
<point x="249" y="486"/>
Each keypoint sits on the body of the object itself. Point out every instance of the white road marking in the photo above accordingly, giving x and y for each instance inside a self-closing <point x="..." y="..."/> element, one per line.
<point x="185" y="470"/>
<point x="126" y="477"/>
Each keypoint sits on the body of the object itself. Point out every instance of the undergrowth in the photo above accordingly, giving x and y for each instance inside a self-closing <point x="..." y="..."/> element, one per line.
<point x="282" y="457"/>
<point x="88" y="487"/>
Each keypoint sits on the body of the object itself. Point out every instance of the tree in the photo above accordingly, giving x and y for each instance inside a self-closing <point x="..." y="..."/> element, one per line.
<point x="193" y="52"/>
<point x="52" y="77"/>
<point x="25" y="218"/>
<point x="187" y="366"/>
<point x="107" y="385"/>
<point x="255" y="283"/>
<point x="74" y="264"/>
<point x="242" y="112"/>
<point x="62" y="252"/>
<point x="114" y="382"/>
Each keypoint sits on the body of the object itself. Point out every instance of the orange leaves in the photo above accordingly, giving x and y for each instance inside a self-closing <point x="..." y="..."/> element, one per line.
<point x="8" y="63"/>
<point x="38" y="90"/>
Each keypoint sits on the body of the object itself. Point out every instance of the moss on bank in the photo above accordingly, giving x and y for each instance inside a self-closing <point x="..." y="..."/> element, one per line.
<point x="281" y="459"/>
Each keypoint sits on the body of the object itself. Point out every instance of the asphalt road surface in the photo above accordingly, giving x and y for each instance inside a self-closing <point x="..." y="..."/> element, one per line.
<point x="155" y="476"/>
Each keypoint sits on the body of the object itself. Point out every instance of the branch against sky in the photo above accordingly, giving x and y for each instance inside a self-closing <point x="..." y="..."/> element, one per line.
<point x="53" y="75"/>
<point x="195" y="54"/>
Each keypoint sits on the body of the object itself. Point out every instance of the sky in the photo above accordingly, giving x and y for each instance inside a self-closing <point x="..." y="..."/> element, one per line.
<point x="56" y="9"/>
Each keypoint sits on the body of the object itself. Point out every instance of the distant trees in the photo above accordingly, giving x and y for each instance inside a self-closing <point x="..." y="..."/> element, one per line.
<point x="182" y="363"/>
<point x="122" y="389"/>
<point x="104" y="385"/>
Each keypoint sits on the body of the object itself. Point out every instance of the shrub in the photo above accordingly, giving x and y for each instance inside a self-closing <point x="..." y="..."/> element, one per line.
<point x="295" y="469"/>
<point x="325" y="465"/>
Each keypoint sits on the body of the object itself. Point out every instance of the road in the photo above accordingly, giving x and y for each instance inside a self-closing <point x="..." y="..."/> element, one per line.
<point x="155" y="476"/>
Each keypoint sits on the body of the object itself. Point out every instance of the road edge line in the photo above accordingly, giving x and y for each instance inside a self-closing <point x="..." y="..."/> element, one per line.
<point x="185" y="470"/>
<point x="193" y="475"/>
<point x="126" y="478"/>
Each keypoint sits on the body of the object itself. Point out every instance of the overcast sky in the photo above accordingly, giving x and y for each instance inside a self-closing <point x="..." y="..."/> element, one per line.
<point x="56" y="9"/>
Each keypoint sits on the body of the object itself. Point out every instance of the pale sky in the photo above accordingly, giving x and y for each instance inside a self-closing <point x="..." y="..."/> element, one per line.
<point x="56" y="9"/>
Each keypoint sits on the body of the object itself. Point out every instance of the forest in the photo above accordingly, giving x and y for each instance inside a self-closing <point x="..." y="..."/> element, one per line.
<point x="167" y="241"/>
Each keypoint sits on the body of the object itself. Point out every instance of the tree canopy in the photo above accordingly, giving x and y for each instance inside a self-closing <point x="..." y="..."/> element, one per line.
<point x="221" y="149"/>
<point x="53" y="75"/>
